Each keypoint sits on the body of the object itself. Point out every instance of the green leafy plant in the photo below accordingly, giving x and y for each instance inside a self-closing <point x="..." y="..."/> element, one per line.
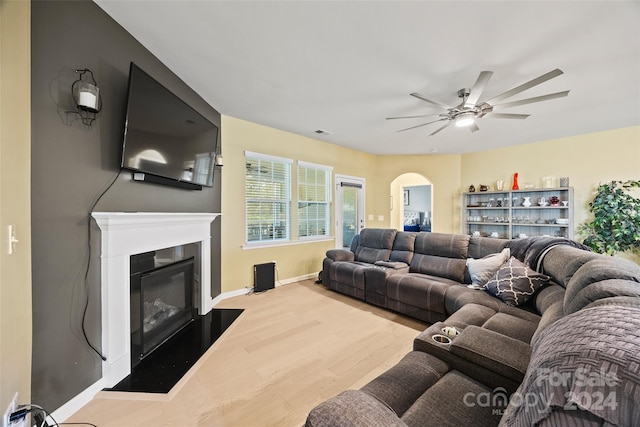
<point x="616" y="218"/>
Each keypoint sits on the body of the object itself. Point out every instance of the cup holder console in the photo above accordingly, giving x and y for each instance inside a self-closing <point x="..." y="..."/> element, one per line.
<point x="441" y="339"/>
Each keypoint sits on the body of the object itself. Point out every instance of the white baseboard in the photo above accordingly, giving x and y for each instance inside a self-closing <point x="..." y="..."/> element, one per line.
<point x="248" y="289"/>
<point x="69" y="408"/>
<point x="77" y="402"/>
<point x="296" y="279"/>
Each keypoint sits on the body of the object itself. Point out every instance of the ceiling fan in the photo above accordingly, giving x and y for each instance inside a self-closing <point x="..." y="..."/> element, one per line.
<point x="470" y="109"/>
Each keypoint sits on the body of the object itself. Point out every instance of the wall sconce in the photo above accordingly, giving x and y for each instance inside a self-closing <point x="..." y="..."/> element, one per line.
<point x="86" y="96"/>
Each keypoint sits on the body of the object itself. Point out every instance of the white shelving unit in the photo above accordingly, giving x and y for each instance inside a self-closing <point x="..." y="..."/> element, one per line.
<point x="503" y="214"/>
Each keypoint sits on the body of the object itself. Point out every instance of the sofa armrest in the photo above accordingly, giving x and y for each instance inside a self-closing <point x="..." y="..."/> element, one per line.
<point x="353" y="408"/>
<point x="341" y="255"/>
<point x="491" y="350"/>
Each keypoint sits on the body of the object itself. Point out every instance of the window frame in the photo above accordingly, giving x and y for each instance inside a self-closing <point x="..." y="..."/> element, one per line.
<point x="328" y="171"/>
<point x="285" y="202"/>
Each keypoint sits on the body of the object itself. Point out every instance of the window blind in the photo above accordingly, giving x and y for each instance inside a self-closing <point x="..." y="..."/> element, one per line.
<point x="314" y="200"/>
<point x="268" y="198"/>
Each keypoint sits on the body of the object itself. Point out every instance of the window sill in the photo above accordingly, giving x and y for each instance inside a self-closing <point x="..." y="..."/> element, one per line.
<point x="249" y="246"/>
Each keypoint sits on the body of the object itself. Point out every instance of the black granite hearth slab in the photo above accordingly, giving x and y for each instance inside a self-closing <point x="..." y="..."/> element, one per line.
<point x="165" y="366"/>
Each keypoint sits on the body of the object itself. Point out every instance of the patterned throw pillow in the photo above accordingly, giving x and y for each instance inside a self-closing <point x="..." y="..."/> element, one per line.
<point x="483" y="269"/>
<point x="515" y="282"/>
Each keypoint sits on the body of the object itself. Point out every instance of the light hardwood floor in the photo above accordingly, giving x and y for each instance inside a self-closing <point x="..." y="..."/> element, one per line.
<point x="292" y="348"/>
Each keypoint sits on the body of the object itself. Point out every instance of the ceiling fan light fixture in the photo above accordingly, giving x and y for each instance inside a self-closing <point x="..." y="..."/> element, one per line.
<point x="465" y="119"/>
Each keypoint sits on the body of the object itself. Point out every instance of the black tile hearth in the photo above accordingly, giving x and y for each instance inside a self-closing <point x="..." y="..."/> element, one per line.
<point x="162" y="369"/>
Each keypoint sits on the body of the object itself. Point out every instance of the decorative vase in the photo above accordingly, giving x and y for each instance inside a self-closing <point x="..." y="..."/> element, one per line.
<point x="527" y="202"/>
<point x="515" y="182"/>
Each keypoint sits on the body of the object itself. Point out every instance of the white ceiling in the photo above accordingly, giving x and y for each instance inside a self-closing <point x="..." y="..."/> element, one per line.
<point x="345" y="66"/>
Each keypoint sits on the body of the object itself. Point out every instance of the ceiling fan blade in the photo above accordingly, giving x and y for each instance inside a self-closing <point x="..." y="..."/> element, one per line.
<point x="439" y="129"/>
<point x="439" y="104"/>
<point x="531" y="83"/>
<point x="412" y="117"/>
<point x="506" y="116"/>
<point x="474" y="127"/>
<point x="478" y="88"/>
<point x="424" y="124"/>
<point x="531" y="100"/>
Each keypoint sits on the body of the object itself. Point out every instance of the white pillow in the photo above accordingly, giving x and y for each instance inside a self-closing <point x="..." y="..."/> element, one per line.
<point x="483" y="269"/>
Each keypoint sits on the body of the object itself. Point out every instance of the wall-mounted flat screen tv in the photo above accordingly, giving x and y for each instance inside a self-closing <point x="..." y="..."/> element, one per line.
<point x="164" y="136"/>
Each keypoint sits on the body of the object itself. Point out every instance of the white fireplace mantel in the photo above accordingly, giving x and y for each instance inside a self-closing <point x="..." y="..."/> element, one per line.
<point x="129" y="233"/>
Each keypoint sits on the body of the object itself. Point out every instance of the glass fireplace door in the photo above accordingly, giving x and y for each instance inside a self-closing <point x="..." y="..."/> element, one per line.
<point x="161" y="305"/>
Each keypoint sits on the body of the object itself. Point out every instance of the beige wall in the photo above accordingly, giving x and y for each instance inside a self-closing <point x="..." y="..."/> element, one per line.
<point x="587" y="160"/>
<point x="396" y="216"/>
<point x="292" y="260"/>
<point x="15" y="270"/>
<point x="442" y="171"/>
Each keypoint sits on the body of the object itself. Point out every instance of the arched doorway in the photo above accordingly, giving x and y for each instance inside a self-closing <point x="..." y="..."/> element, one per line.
<point x="411" y="202"/>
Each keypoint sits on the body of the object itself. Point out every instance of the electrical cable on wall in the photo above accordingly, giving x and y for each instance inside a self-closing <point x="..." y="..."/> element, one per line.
<point x="86" y="272"/>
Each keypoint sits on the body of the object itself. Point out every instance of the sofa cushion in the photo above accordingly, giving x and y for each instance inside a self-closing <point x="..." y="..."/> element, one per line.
<point x="374" y="244"/>
<point x="348" y="278"/>
<point x="492" y="350"/>
<point x="547" y="296"/>
<point x="481" y="270"/>
<point x="514" y="283"/>
<point x="455" y="400"/>
<point x="353" y="408"/>
<point x="371" y="255"/>
<point x="550" y="315"/>
<point x="442" y="245"/>
<point x="419" y="290"/>
<point x="460" y="295"/>
<point x="511" y="326"/>
<point x="480" y="247"/>
<point x="450" y="268"/>
<point x="470" y="314"/>
<point x="401" y="385"/>
<point x="403" y="247"/>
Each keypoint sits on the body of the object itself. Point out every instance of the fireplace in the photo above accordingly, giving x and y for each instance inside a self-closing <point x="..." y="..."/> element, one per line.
<point x="161" y="301"/>
<point x="129" y="233"/>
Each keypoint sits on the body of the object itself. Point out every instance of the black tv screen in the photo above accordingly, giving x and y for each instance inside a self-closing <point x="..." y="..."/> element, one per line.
<point x="164" y="136"/>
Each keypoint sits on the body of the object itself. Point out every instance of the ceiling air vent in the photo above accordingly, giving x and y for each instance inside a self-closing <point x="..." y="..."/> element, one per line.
<point x="322" y="132"/>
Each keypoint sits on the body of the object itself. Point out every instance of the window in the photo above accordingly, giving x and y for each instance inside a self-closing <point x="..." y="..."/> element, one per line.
<point x="314" y="200"/>
<point x="268" y="198"/>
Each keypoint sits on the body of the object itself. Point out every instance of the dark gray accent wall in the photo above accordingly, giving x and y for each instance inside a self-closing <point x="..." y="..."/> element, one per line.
<point x="71" y="166"/>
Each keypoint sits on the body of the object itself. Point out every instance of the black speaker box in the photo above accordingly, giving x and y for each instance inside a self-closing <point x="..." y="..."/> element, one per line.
<point x="264" y="276"/>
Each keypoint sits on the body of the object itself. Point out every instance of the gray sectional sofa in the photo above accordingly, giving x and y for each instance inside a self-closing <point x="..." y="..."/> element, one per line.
<point x="555" y="340"/>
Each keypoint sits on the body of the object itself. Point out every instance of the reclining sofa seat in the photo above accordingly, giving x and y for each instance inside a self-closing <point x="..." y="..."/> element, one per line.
<point x="438" y="262"/>
<point x="347" y="268"/>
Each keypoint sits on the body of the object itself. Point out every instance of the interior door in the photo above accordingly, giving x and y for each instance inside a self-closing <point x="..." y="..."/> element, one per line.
<point x="349" y="209"/>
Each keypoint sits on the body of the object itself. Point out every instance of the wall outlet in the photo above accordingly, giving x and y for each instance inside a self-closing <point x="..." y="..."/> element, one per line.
<point x="10" y="409"/>
<point x="13" y="406"/>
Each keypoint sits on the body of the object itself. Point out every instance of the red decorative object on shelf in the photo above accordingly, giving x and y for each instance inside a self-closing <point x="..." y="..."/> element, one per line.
<point x="515" y="182"/>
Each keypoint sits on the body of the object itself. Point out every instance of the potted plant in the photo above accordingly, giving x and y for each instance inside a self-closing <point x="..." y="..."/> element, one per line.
<point x="616" y="218"/>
